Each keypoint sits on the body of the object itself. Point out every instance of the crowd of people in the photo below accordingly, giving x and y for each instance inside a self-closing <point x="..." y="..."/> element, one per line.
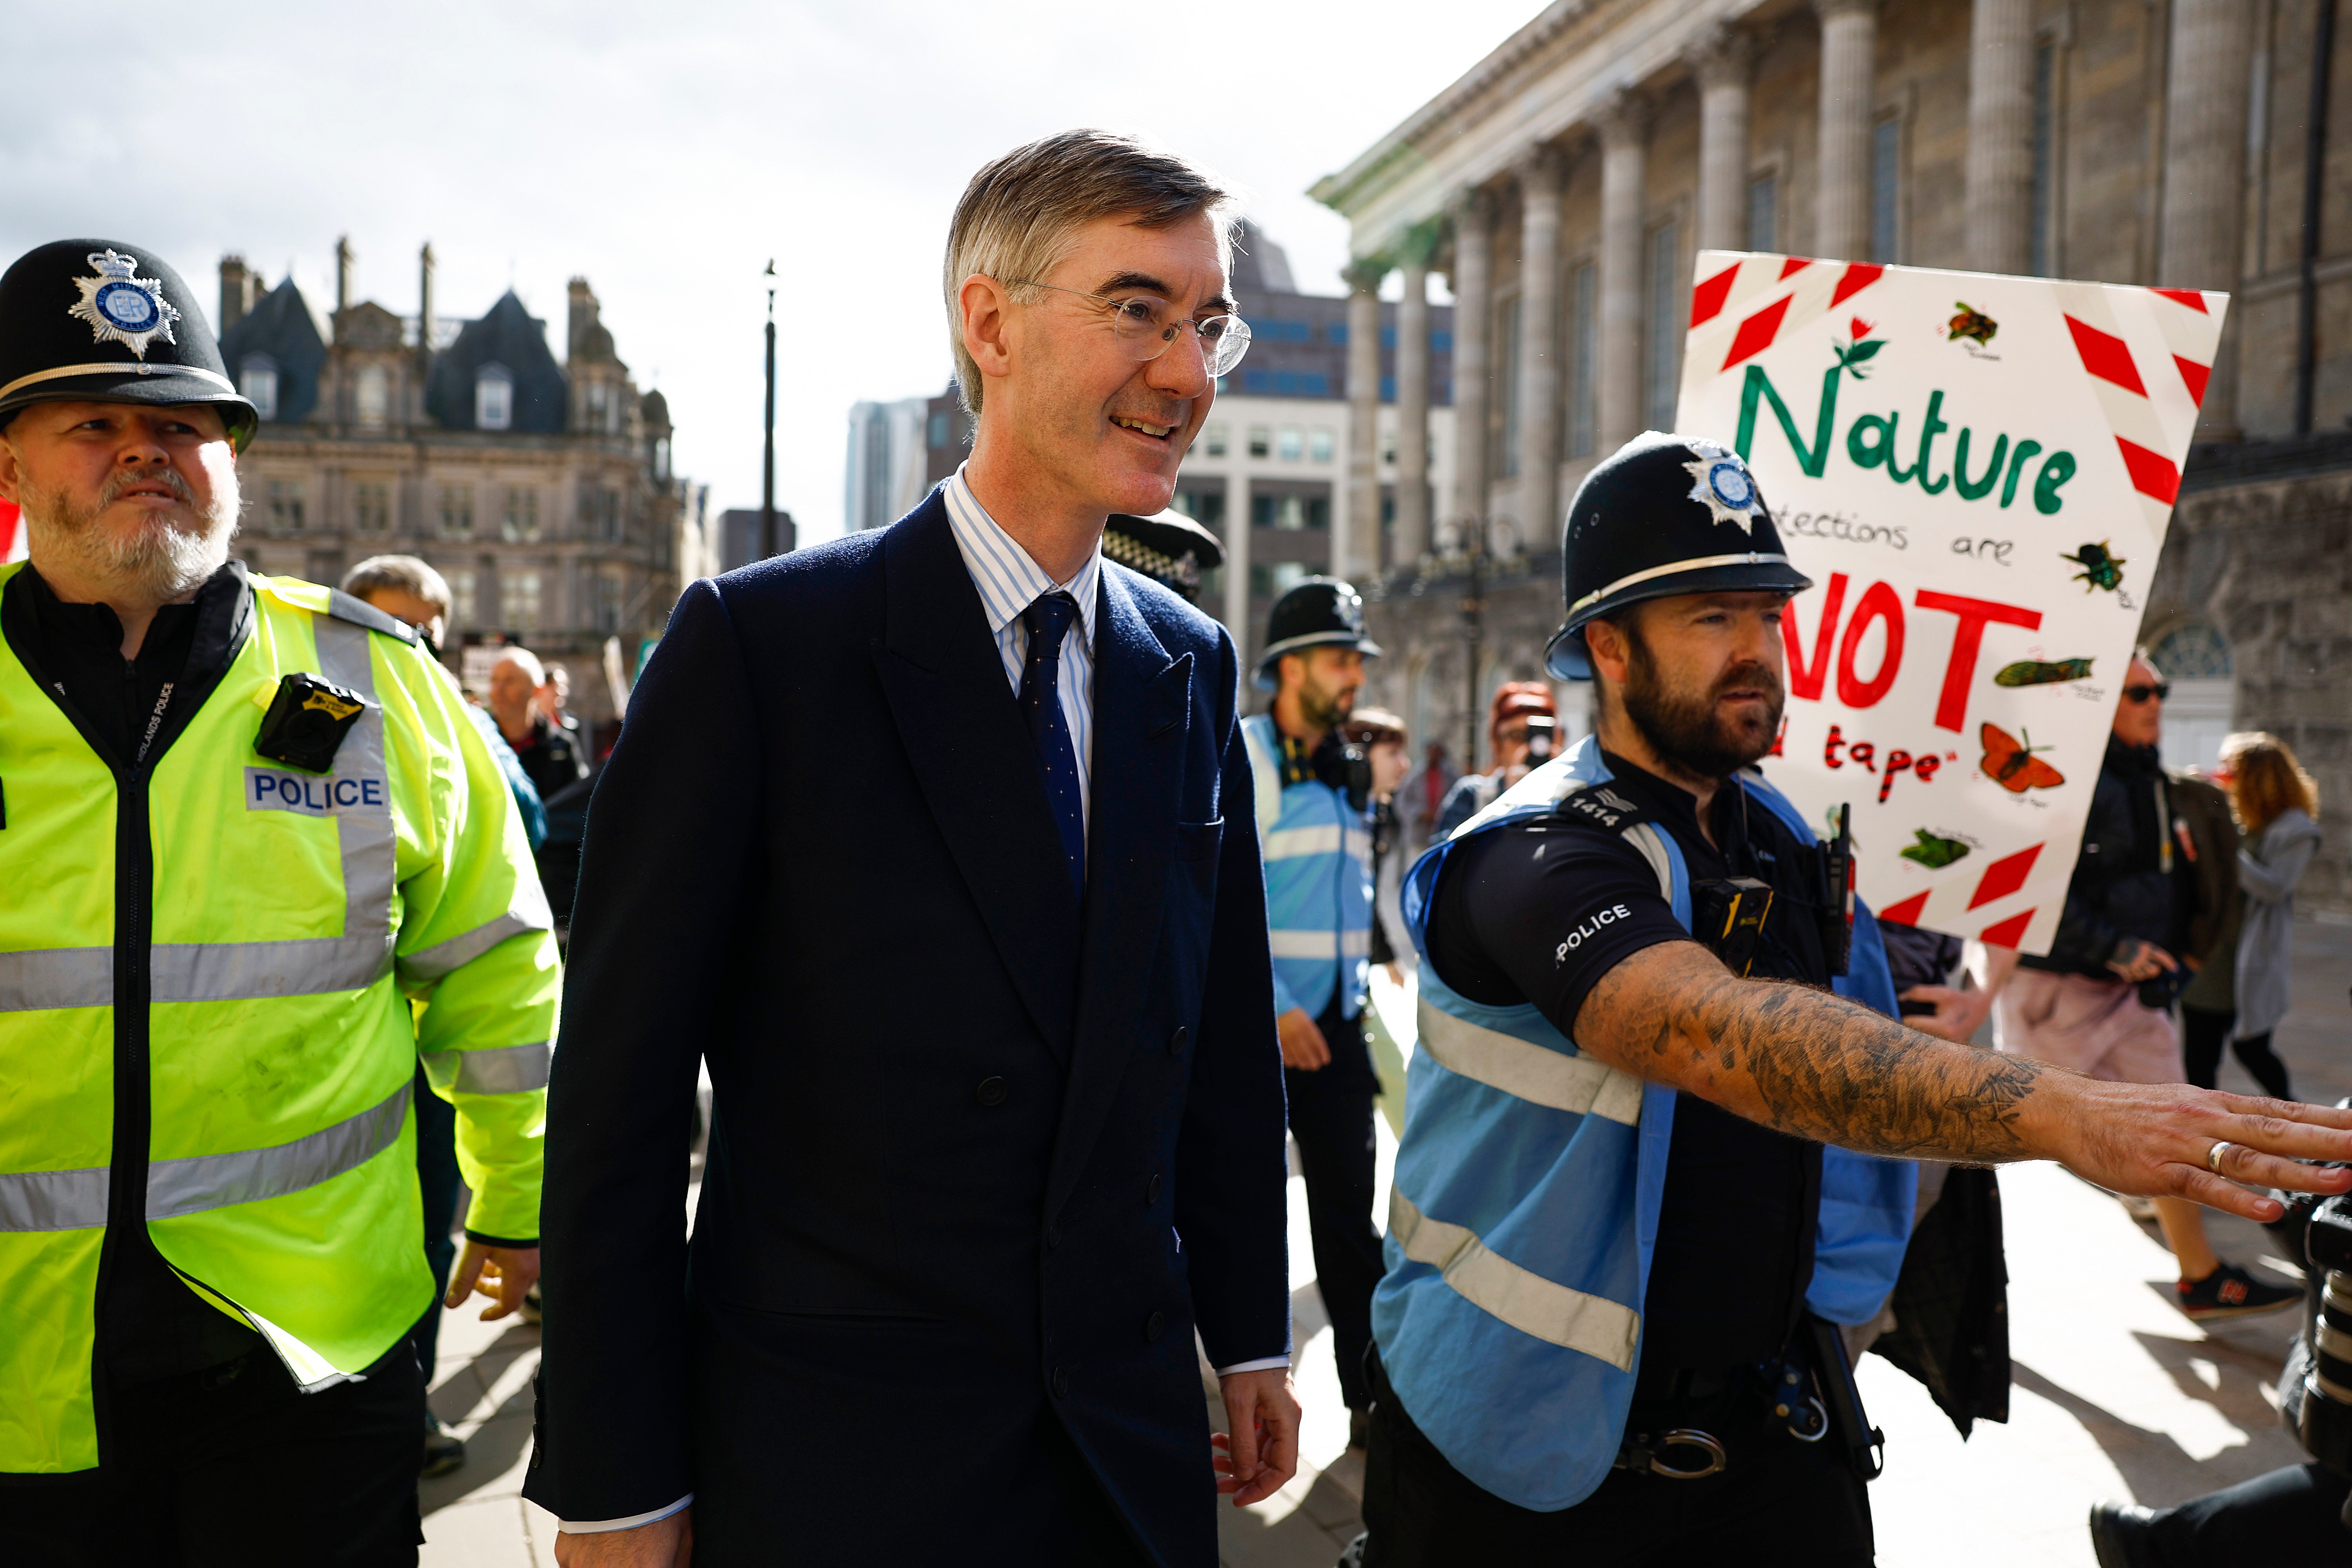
<point x="1006" y="1062"/>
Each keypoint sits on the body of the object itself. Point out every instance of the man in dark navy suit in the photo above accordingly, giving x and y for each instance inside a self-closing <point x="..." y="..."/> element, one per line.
<point x="998" y="1116"/>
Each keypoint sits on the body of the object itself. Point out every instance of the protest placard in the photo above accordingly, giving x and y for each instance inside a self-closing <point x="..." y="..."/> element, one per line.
<point x="1977" y="473"/>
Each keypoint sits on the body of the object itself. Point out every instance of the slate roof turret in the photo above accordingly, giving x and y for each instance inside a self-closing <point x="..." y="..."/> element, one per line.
<point x="283" y="331"/>
<point x="511" y="337"/>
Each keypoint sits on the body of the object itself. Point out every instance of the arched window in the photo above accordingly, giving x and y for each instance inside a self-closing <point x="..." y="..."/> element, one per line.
<point x="2194" y="658"/>
<point x="256" y="379"/>
<point x="493" y="398"/>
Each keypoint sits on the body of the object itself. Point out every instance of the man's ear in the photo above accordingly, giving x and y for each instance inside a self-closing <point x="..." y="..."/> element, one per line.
<point x="11" y="469"/>
<point x="1605" y="646"/>
<point x="987" y="324"/>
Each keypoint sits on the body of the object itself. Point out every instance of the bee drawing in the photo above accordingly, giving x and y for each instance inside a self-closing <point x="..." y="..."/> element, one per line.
<point x="2099" y="569"/>
<point x="2042" y="672"/>
<point x="2011" y="764"/>
<point x="1972" y="323"/>
<point x="1931" y="851"/>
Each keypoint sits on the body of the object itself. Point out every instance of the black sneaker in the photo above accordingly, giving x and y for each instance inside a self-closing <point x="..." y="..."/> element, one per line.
<point x="2230" y="1292"/>
<point x="444" y="1450"/>
<point x="2119" y="1535"/>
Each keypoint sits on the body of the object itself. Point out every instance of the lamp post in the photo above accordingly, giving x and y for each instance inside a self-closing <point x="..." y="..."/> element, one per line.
<point x="767" y="454"/>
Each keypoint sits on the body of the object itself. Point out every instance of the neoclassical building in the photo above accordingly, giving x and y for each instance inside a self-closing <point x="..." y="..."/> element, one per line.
<point x="1565" y="184"/>
<point x="542" y="489"/>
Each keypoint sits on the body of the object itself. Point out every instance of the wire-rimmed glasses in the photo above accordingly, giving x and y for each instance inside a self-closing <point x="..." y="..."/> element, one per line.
<point x="1145" y="325"/>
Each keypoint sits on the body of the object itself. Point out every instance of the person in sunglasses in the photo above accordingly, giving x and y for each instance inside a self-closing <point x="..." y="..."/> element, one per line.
<point x="2140" y="921"/>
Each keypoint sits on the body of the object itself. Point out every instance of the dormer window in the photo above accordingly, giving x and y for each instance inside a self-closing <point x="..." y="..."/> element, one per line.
<point x="256" y="379"/>
<point x="493" y="398"/>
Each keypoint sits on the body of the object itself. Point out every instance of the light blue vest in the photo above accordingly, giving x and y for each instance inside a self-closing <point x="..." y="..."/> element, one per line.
<point x="1319" y="882"/>
<point x="1525" y="1205"/>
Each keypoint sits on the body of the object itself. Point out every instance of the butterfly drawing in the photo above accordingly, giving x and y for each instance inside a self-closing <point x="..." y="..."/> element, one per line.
<point x="2012" y="764"/>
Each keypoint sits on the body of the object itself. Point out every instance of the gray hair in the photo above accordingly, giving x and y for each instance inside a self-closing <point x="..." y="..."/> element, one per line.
<point x="402" y="573"/>
<point x="524" y="659"/>
<point x="1016" y="218"/>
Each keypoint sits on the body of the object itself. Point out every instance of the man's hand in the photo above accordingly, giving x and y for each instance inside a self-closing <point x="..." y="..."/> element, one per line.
<point x="1303" y="1045"/>
<point x="1261" y="1453"/>
<point x="1957" y="1015"/>
<point x="2139" y="961"/>
<point x="502" y="1273"/>
<point x="2153" y="1139"/>
<point x="663" y="1544"/>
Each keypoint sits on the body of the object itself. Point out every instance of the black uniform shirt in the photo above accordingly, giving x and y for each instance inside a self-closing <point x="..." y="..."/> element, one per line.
<point x="1538" y="912"/>
<point x="150" y="1324"/>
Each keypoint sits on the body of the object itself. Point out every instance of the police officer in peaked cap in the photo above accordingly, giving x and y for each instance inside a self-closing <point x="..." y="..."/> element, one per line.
<point x="1313" y="796"/>
<point x="1629" y="1222"/>
<point x="243" y="822"/>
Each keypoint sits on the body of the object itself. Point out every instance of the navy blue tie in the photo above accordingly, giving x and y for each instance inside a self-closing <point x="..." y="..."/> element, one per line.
<point x="1048" y="620"/>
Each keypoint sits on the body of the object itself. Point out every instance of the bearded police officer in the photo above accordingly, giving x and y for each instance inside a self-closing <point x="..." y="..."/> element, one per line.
<point x="1617" y="1246"/>
<point x="1313" y="798"/>
<point x="245" y="829"/>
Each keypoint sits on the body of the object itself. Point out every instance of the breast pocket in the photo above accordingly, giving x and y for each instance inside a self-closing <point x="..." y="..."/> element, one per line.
<point x="1198" y="840"/>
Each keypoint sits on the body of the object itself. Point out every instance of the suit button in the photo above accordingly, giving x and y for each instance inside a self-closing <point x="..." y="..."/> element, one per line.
<point x="1061" y="1382"/>
<point x="1054" y="1234"/>
<point x="1179" y="1040"/>
<point x="991" y="1092"/>
<point x="1154" y="1325"/>
<point x="1151" y="1189"/>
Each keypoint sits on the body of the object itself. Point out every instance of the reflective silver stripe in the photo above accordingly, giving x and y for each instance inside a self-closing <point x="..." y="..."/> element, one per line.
<point x="1294" y="842"/>
<point x="119" y="367"/>
<point x="56" y="977"/>
<point x="1526" y="1300"/>
<point x="1695" y="563"/>
<point x="54" y="1200"/>
<point x="444" y="957"/>
<point x="1320" y="944"/>
<point x="203" y="1182"/>
<point x="508" y="1070"/>
<point x="1527" y="1072"/>
<point x="368" y="854"/>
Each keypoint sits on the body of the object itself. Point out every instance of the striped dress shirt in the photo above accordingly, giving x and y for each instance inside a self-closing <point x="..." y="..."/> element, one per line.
<point x="1009" y="583"/>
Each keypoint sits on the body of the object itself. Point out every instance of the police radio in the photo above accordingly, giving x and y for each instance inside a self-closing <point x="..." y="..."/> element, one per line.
<point x="1835" y="913"/>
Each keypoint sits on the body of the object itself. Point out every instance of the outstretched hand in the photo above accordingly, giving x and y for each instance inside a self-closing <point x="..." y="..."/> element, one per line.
<point x="1259" y="1455"/>
<point x="2154" y="1138"/>
<point x="505" y="1274"/>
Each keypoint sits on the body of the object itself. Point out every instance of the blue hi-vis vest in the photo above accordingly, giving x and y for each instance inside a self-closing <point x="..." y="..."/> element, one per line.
<point x="1319" y="882"/>
<point x="1525" y="1205"/>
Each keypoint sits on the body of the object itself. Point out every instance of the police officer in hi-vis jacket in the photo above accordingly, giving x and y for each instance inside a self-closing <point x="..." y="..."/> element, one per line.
<point x="245" y="830"/>
<point x="1642" y="1182"/>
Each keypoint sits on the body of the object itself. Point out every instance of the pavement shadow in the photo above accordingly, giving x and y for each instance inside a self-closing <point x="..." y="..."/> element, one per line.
<point x="1311" y="1535"/>
<point x="2241" y="1377"/>
<point x="2154" y="1466"/>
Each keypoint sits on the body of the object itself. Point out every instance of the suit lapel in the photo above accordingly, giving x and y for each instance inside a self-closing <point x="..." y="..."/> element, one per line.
<point x="976" y="764"/>
<point x="1141" y="702"/>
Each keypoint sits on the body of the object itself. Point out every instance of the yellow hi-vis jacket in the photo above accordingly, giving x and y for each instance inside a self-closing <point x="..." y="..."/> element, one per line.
<point x="240" y="941"/>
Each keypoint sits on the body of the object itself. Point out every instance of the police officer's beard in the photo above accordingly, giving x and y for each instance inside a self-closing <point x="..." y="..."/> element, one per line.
<point x="1690" y="729"/>
<point x="162" y="558"/>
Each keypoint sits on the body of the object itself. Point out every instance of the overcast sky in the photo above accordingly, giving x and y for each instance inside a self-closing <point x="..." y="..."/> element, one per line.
<point x="666" y="152"/>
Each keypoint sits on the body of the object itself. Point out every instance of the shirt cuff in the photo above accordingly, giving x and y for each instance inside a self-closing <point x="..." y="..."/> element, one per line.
<point x="1266" y="1363"/>
<point x="604" y="1526"/>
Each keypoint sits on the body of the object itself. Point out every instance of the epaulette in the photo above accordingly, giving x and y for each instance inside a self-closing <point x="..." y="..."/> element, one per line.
<point x="1604" y="807"/>
<point x="360" y="612"/>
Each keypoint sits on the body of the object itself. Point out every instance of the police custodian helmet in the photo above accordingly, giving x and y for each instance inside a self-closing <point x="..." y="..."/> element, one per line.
<point x="1167" y="547"/>
<point x="1318" y="612"/>
<point x="1663" y="515"/>
<point x="101" y="321"/>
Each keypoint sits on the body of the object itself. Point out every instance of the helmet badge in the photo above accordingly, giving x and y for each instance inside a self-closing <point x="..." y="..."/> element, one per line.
<point x="1723" y="485"/>
<point x="123" y="307"/>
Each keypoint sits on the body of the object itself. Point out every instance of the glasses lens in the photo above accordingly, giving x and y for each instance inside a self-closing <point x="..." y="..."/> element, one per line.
<point x="1224" y="341"/>
<point x="1140" y="322"/>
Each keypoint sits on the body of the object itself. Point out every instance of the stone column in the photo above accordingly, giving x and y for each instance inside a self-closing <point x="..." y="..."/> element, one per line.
<point x="1237" y="561"/>
<point x="1473" y="215"/>
<point x="1356" y="527"/>
<point x="1624" y="138"/>
<point x="1849" y="49"/>
<point x="1412" y="409"/>
<point x="1724" y="61"/>
<point x="2000" y="135"/>
<point x="1540" y="174"/>
<point x="2204" y="177"/>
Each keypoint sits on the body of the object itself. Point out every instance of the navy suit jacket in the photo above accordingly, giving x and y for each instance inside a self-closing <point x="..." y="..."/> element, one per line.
<point x="982" y="1156"/>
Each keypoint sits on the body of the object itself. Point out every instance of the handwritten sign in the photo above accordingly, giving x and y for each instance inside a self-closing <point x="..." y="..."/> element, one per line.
<point x="1977" y="472"/>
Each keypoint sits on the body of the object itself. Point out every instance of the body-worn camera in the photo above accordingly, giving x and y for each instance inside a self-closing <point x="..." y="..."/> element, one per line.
<point x="1345" y="766"/>
<point x="306" y="722"/>
<point x="1728" y="914"/>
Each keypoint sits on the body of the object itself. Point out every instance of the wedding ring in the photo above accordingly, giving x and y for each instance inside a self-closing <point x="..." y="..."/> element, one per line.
<point x="2213" y="1155"/>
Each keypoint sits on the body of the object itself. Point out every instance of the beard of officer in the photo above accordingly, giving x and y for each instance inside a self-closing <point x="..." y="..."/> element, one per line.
<point x="160" y="555"/>
<point x="1701" y="717"/>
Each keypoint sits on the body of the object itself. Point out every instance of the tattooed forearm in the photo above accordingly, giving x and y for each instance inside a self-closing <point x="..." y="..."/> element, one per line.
<point x="1807" y="1061"/>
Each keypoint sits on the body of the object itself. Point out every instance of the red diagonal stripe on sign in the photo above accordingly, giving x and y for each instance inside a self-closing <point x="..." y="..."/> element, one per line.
<point x="1707" y="299"/>
<point x="1905" y="913"/>
<point x="1757" y="332"/>
<point x="2152" y="474"/>
<point x="2004" y="876"/>
<point x="2189" y="296"/>
<point x="1858" y="276"/>
<point x="2008" y="933"/>
<point x="2194" y="376"/>
<point x="2105" y="356"/>
<point x="1791" y="266"/>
